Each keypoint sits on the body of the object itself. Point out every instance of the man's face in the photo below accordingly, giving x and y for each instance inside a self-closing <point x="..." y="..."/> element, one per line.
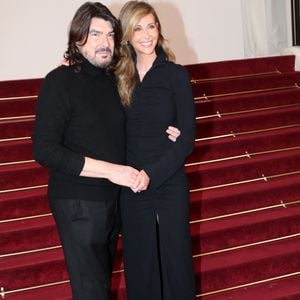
<point x="99" y="47"/>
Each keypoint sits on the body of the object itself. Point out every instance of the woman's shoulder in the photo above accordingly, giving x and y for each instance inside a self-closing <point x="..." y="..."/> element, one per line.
<point x="176" y="67"/>
<point x="177" y="70"/>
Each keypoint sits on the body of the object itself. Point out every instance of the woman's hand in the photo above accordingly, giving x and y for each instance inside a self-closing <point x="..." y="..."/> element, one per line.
<point x="141" y="182"/>
<point x="173" y="133"/>
<point x="64" y="62"/>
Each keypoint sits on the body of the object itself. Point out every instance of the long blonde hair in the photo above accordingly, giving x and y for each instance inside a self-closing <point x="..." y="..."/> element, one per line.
<point x="126" y="75"/>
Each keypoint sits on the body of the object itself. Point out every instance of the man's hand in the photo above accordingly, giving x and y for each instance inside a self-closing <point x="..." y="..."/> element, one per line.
<point x="141" y="183"/>
<point x="118" y="174"/>
<point x="123" y="175"/>
<point x="173" y="133"/>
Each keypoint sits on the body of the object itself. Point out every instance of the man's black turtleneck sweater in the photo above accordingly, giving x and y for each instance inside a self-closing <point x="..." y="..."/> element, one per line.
<point x="78" y="114"/>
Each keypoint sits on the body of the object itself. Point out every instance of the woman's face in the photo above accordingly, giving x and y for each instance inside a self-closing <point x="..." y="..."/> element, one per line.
<point x="145" y="36"/>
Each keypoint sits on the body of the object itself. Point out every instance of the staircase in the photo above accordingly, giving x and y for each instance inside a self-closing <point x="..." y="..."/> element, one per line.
<point x="244" y="177"/>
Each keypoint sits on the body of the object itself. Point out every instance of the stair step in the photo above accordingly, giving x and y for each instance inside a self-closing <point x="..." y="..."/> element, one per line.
<point x="241" y="230"/>
<point x="247" y="66"/>
<point x="241" y="234"/>
<point x="13" y="151"/>
<point x="254" y="121"/>
<point x="219" y="88"/>
<point x="280" y="289"/>
<point x="17" y="107"/>
<point x="247" y="102"/>
<point x="238" y="267"/>
<point x="57" y="292"/>
<point x="243" y="169"/>
<point x="216" y="149"/>
<point x="250" y="196"/>
<point x="23" y="204"/>
<point x="26" y="235"/>
<point x="22" y="175"/>
<point x="16" y="128"/>
<point x="63" y="291"/>
<point x="20" y="88"/>
<point x="34" y="269"/>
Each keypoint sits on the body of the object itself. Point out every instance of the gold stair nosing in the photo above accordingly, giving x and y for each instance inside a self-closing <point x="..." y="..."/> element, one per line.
<point x="18" y="97"/>
<point x="275" y="151"/>
<point x="232" y="134"/>
<point x="282" y="204"/>
<point x="245" y="155"/>
<point x="215" y="160"/>
<point x="15" y="139"/>
<point x="217" y="114"/>
<point x="17" y="162"/>
<point x="25" y="218"/>
<point x="275" y="72"/>
<point x="207" y="97"/>
<point x="4" y="293"/>
<point x="25" y="117"/>
<point x="227" y="184"/>
<point x="30" y="251"/>
<point x="118" y="271"/>
<point x="267" y="129"/>
<point x="213" y="137"/>
<point x="262" y="178"/>
<point x="249" y="284"/>
<point x="220" y="114"/>
<point x="236" y="134"/>
<point x="23" y="188"/>
<point x="196" y="256"/>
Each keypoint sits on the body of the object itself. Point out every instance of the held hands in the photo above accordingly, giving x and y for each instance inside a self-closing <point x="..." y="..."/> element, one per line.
<point x="141" y="183"/>
<point x="173" y="133"/>
<point x="129" y="177"/>
<point x="143" y="180"/>
<point x="123" y="175"/>
<point x="136" y="180"/>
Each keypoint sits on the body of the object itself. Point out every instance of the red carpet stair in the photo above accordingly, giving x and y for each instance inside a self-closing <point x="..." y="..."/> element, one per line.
<point x="244" y="177"/>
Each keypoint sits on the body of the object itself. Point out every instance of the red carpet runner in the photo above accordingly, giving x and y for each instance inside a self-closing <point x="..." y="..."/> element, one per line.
<point x="244" y="179"/>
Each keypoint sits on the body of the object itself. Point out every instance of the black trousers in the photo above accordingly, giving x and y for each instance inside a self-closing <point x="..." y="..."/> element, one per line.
<point x="156" y="244"/>
<point x="89" y="232"/>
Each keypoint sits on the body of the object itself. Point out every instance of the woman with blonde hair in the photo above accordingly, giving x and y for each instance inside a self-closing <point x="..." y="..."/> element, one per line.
<point x="156" y="93"/>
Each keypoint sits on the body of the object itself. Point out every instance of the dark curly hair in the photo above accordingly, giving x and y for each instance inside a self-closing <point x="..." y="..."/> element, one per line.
<point x="79" y="29"/>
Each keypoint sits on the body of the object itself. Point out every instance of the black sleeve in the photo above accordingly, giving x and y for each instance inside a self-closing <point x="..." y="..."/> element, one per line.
<point x="174" y="158"/>
<point x="53" y="112"/>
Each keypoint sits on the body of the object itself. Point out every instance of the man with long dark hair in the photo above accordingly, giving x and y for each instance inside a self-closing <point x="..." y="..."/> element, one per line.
<point x="79" y="135"/>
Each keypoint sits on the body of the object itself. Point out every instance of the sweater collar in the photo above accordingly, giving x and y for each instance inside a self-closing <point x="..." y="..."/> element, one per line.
<point x="90" y="69"/>
<point x="160" y="58"/>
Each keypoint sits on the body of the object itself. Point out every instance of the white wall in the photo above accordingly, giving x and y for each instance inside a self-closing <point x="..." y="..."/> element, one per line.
<point x="34" y="32"/>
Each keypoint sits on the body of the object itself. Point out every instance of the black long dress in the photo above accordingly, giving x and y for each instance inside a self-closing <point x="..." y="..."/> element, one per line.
<point x="156" y="237"/>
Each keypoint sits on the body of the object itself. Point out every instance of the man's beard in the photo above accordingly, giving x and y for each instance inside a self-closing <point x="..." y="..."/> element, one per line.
<point x="94" y="61"/>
